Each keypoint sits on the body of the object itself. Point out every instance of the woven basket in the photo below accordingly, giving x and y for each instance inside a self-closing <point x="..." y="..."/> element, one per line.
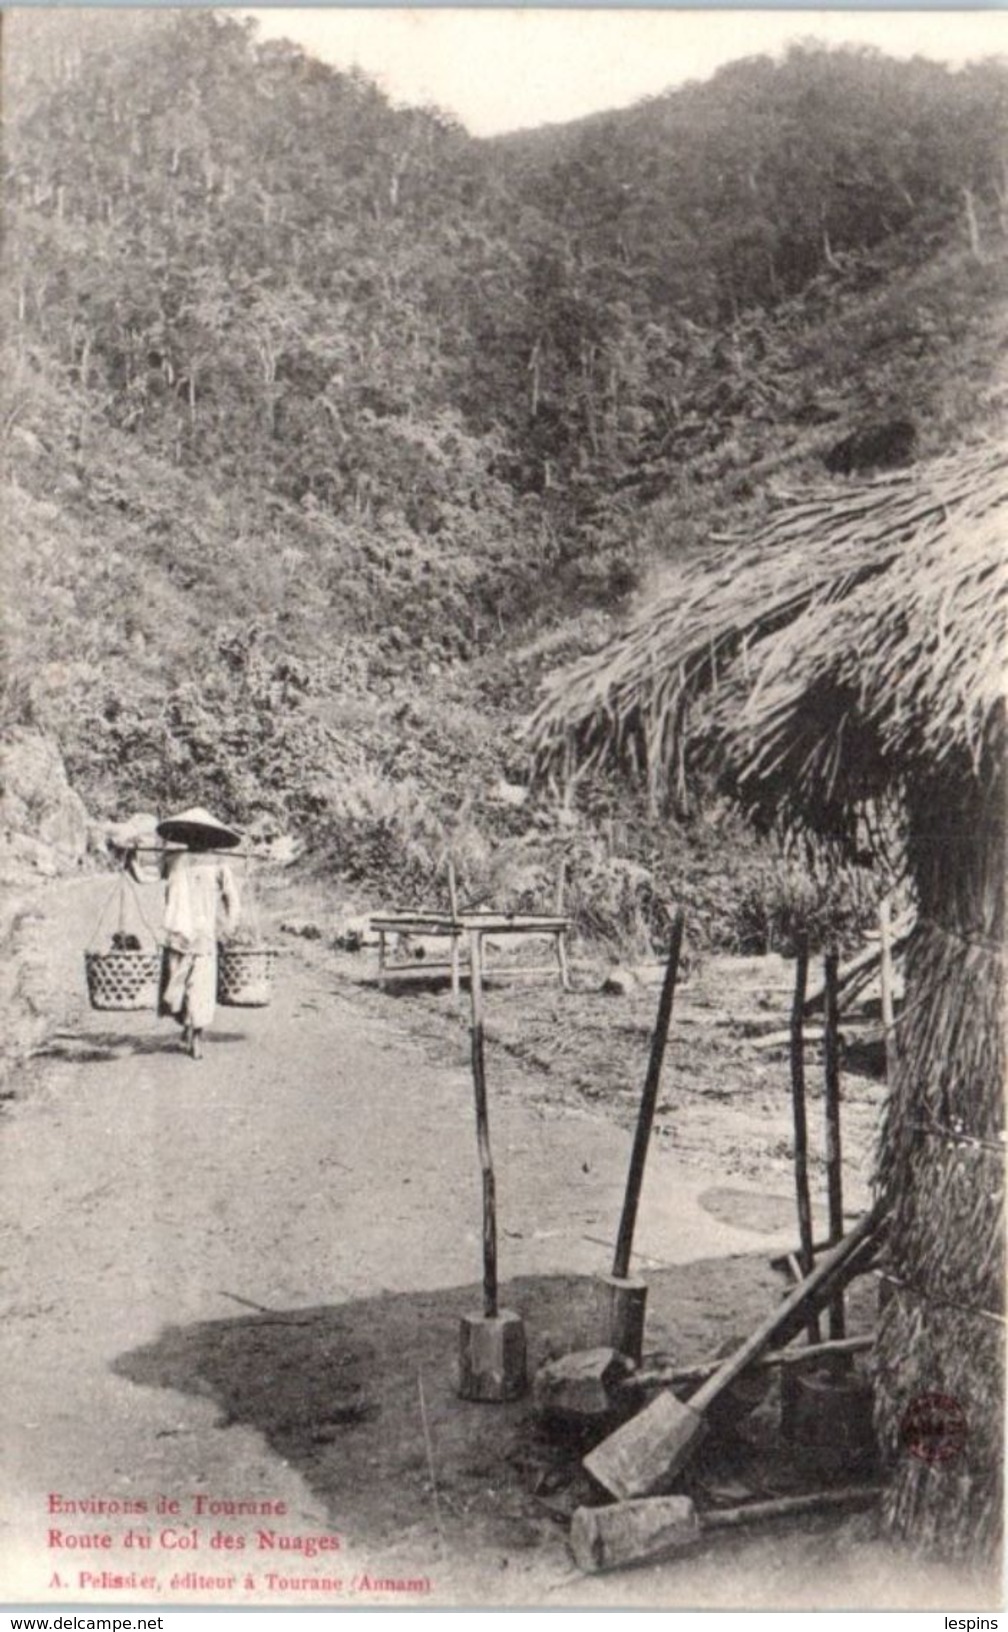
<point x="122" y="980"/>
<point x="245" y="976"/>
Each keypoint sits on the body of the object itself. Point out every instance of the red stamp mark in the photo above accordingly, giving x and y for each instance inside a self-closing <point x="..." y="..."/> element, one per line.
<point x="933" y="1428"/>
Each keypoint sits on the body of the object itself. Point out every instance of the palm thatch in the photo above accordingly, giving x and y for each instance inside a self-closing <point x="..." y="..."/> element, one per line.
<point x="857" y="639"/>
<point x="852" y="651"/>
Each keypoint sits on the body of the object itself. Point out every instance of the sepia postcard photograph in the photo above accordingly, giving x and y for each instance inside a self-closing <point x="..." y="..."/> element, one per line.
<point x="503" y="532"/>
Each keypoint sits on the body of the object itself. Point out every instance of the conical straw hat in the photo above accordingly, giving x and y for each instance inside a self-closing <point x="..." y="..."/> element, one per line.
<point x="197" y="829"/>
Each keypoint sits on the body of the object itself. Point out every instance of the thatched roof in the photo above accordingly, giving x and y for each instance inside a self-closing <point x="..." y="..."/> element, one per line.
<point x="856" y="641"/>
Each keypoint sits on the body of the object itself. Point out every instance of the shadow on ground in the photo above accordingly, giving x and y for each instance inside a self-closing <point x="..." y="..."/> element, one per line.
<point x="93" y="1047"/>
<point x="336" y="1393"/>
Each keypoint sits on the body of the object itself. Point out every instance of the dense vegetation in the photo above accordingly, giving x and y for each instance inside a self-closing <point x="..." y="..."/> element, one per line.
<point x="327" y="427"/>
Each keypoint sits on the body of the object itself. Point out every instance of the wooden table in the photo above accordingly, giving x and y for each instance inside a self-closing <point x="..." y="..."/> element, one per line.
<point x="474" y="927"/>
<point x="478" y="925"/>
<point x="439" y="924"/>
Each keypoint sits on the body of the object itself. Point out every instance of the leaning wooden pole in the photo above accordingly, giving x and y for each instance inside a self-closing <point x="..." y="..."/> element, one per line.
<point x="805" y="1237"/>
<point x="649" y="1101"/>
<point x="834" y="1151"/>
<point x="624" y="1297"/>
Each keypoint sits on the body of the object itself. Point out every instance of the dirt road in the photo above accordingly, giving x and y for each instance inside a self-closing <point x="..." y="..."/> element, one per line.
<point x="232" y="1291"/>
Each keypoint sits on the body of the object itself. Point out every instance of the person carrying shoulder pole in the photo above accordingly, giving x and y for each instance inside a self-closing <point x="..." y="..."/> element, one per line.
<point x="201" y="903"/>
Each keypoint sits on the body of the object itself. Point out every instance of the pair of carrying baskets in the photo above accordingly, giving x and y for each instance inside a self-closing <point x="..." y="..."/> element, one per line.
<point x="128" y="977"/>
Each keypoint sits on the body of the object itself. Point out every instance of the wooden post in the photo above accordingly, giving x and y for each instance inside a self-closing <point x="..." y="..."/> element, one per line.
<point x="807" y="1257"/>
<point x="886" y="982"/>
<point x="453" y="909"/>
<point x="834" y="1154"/>
<point x="483" y="1144"/>
<point x="492" y="1354"/>
<point x="381" y="960"/>
<point x="561" y="940"/>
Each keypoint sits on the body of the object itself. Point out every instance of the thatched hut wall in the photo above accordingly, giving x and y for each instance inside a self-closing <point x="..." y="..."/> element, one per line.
<point x="855" y="651"/>
<point x="942" y="1171"/>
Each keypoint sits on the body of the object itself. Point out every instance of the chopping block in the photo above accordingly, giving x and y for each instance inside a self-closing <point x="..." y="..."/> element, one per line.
<point x="492" y="1363"/>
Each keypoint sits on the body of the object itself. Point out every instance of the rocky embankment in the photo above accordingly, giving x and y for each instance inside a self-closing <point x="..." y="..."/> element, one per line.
<point x="45" y="834"/>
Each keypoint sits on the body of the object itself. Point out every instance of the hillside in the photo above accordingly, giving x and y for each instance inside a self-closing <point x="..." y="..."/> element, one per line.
<point x="328" y="427"/>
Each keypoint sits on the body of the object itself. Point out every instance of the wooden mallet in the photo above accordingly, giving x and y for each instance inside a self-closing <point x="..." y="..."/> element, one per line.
<point x="591" y="1384"/>
<point x="492" y="1363"/>
<point x="645" y="1531"/>
<point x="624" y="1297"/>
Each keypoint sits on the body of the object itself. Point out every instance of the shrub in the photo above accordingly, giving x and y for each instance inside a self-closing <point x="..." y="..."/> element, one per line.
<point x="783" y="900"/>
<point x="385" y="834"/>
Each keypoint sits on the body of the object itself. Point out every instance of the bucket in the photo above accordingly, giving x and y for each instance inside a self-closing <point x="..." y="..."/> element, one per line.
<point x="122" y="980"/>
<point x="245" y="976"/>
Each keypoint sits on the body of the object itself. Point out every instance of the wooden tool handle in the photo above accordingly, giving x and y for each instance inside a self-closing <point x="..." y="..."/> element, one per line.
<point x="483" y="1140"/>
<point x="782" y="1507"/>
<point x="793" y="1312"/>
<point x="812" y="1354"/>
<point x="649" y="1099"/>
